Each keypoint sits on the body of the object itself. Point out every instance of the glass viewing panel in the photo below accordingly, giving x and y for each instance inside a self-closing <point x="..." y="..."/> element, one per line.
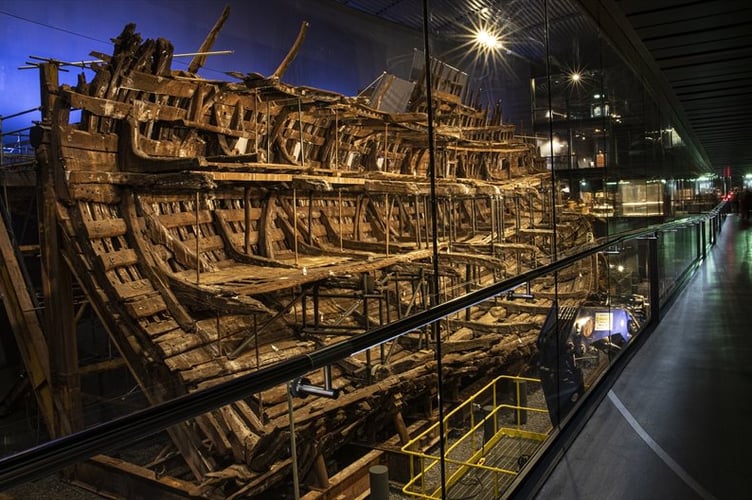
<point x="339" y="173"/>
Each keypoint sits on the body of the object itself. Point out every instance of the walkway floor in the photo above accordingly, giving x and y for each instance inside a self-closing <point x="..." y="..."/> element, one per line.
<point x="678" y="422"/>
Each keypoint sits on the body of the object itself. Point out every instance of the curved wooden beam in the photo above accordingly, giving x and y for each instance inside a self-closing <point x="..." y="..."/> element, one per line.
<point x="199" y="59"/>
<point x="282" y="68"/>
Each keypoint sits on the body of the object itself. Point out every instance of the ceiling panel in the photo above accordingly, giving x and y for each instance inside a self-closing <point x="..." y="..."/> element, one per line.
<point x="704" y="48"/>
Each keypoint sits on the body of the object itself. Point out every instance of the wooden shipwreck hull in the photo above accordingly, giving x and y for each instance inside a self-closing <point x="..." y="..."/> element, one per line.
<point x="220" y="226"/>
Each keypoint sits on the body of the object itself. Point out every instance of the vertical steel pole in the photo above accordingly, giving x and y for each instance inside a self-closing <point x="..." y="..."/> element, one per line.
<point x="654" y="278"/>
<point x="293" y="449"/>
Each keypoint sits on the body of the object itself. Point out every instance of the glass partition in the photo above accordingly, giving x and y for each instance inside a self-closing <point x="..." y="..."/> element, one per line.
<point x="364" y="183"/>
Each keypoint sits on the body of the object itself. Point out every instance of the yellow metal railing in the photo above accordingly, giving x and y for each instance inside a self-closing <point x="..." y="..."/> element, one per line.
<point x="470" y="453"/>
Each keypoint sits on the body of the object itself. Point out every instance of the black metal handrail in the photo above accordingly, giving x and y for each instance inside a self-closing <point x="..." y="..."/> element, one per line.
<point x="20" y="113"/>
<point x="54" y="455"/>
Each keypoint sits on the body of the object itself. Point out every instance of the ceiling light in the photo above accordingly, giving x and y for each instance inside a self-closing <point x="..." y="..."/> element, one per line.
<point x="487" y="40"/>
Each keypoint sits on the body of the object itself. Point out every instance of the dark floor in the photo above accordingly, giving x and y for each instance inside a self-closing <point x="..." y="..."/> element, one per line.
<point x="674" y="426"/>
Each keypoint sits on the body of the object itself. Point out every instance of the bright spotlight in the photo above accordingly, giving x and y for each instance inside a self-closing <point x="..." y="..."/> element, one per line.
<point x="487" y="40"/>
<point x="575" y="77"/>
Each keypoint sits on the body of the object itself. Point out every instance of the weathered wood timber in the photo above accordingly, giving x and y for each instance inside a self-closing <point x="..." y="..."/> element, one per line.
<point x="219" y="227"/>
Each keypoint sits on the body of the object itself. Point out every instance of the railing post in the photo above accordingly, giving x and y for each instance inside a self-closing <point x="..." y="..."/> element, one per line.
<point x="698" y="241"/>
<point x="703" y="240"/>
<point x="654" y="278"/>
<point x="521" y="397"/>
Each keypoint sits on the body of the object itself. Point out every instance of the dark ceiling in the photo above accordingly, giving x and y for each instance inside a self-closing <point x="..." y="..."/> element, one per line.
<point x="704" y="49"/>
<point x="701" y="48"/>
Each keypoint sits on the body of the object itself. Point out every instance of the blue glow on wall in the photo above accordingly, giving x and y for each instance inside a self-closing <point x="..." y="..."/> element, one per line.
<point x="343" y="51"/>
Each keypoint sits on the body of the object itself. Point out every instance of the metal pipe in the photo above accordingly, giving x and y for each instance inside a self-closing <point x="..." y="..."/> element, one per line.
<point x="295" y="223"/>
<point x="301" y="387"/>
<point x="293" y="448"/>
<point x="336" y="140"/>
<point x="339" y="191"/>
<point x="328" y="377"/>
<point x="300" y="127"/>
<point x="198" y="243"/>
<point x="247" y="199"/>
<point x="387" y="223"/>
<point x="268" y="139"/>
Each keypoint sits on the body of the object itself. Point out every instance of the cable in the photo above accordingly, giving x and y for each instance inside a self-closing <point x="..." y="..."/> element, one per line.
<point x="54" y="27"/>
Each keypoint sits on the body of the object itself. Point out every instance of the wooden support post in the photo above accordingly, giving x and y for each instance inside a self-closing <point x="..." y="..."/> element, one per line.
<point x="219" y="337"/>
<point x="444" y="219"/>
<point x="268" y="139"/>
<point x="519" y="261"/>
<point x="381" y="322"/>
<point x="399" y="424"/>
<point x="473" y="216"/>
<point x="320" y="472"/>
<point x="300" y="127"/>
<point x="336" y="146"/>
<point x="468" y="287"/>
<point x="530" y="210"/>
<point x="450" y="222"/>
<point x="247" y="203"/>
<point x="517" y="217"/>
<point x="59" y="322"/>
<point x="258" y="363"/>
<point x="399" y="297"/>
<point x="80" y="313"/>
<point x="426" y="218"/>
<point x="63" y="347"/>
<point x="386" y="150"/>
<point x="388" y="305"/>
<point x="256" y="125"/>
<point x="500" y="218"/>
<point x="316" y="322"/>
<point x="400" y="216"/>
<point x="366" y="326"/>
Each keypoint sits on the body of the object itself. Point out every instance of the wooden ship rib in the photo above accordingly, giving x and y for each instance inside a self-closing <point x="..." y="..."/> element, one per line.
<point x="217" y="227"/>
